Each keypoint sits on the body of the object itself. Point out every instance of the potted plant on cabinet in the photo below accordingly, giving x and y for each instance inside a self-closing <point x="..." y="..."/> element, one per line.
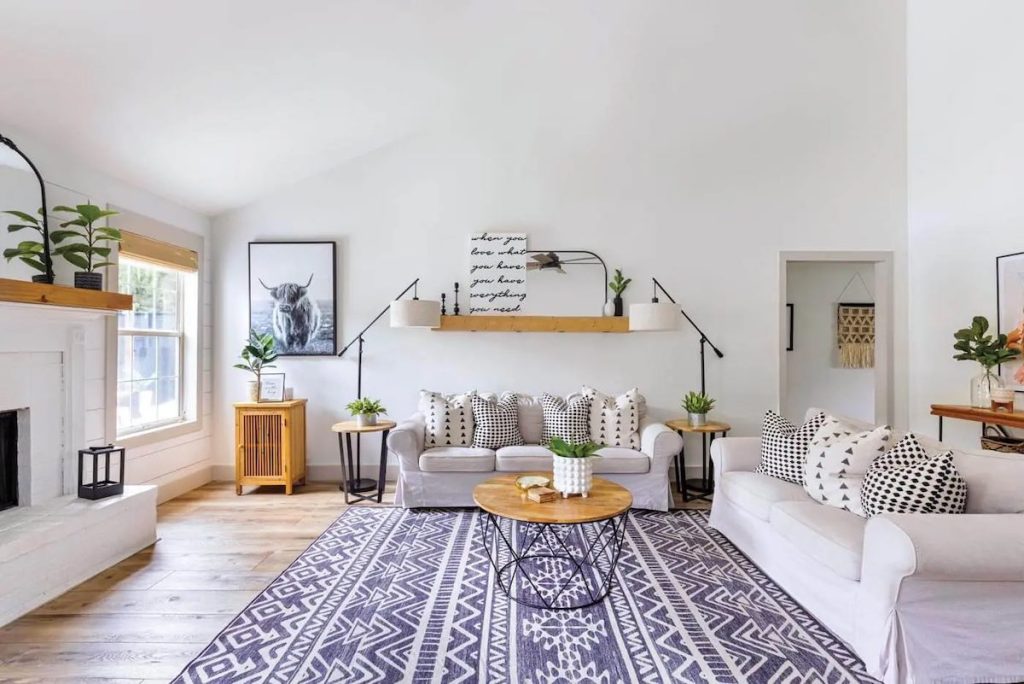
<point x="618" y="285"/>
<point x="89" y="254"/>
<point x="258" y="354"/>
<point x="30" y="252"/>
<point x="698" y="405"/>
<point x="365" y="411"/>
<point x="573" y="466"/>
<point x="975" y="344"/>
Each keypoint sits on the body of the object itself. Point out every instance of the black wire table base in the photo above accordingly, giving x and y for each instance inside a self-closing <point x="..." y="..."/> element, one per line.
<point x="554" y="566"/>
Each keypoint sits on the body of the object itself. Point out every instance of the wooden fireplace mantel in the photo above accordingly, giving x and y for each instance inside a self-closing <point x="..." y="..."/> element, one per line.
<point x="24" y="292"/>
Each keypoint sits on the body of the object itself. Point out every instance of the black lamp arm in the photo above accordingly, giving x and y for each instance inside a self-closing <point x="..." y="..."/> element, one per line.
<point x="47" y="258"/>
<point x="703" y="337"/>
<point x="362" y="332"/>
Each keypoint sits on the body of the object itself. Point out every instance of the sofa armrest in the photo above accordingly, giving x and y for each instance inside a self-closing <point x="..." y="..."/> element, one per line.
<point x="971" y="547"/>
<point x="659" y="443"/>
<point x="736" y="453"/>
<point x="405" y="441"/>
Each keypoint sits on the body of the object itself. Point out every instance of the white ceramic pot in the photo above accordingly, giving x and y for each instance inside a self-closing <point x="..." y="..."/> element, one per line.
<point x="366" y="419"/>
<point x="573" y="475"/>
<point x="254" y="390"/>
<point x="698" y="419"/>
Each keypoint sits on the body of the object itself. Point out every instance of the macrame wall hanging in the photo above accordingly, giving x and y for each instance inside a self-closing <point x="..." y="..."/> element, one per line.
<point x="855" y="329"/>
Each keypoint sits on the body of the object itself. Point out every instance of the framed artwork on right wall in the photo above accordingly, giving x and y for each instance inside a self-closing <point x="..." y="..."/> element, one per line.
<point x="1010" y="313"/>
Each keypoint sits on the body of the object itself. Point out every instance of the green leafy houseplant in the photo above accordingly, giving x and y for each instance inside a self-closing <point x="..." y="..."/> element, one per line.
<point x="698" y="404"/>
<point x="559" y="447"/>
<point x="92" y="251"/>
<point x="618" y="285"/>
<point x="29" y="252"/>
<point x="366" y="410"/>
<point x="976" y="344"/>
<point x="258" y="354"/>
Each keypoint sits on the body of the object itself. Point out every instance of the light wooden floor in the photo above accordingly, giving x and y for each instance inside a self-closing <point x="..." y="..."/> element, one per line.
<point x="144" y="619"/>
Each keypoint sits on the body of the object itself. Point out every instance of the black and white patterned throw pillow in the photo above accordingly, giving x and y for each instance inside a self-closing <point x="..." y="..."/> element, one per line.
<point x="496" y="422"/>
<point x="784" y="446"/>
<point x="569" y="420"/>
<point x="615" y="421"/>
<point x="838" y="458"/>
<point x="448" y="419"/>
<point x="906" y="479"/>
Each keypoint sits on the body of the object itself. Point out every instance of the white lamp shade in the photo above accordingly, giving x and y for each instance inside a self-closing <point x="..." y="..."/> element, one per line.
<point x="415" y="313"/>
<point x="654" y="316"/>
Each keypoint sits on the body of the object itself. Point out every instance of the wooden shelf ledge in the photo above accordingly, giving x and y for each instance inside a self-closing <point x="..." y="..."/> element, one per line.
<point x="548" y="324"/>
<point x="24" y="292"/>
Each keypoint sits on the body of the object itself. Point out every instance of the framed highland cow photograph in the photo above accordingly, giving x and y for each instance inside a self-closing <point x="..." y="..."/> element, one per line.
<point x="292" y="295"/>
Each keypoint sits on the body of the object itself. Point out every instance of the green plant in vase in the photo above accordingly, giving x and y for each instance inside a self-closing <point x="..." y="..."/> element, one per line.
<point x="977" y="344"/>
<point x="94" y="248"/>
<point x="618" y="285"/>
<point x="366" y="411"/>
<point x="573" y="466"/>
<point x="698" y="405"/>
<point x="258" y="354"/>
<point x="32" y="253"/>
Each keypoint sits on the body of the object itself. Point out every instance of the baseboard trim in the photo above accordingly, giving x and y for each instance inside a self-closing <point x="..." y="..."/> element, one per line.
<point x="183" y="484"/>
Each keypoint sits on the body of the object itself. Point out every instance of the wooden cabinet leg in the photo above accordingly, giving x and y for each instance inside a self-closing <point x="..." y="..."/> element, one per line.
<point x="288" y="489"/>
<point x="238" y="490"/>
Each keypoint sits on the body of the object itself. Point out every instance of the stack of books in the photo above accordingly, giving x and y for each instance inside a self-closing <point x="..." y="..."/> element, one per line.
<point x="542" y="494"/>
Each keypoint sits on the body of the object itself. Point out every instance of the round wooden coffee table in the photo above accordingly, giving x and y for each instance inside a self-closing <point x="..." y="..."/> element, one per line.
<point x="558" y="555"/>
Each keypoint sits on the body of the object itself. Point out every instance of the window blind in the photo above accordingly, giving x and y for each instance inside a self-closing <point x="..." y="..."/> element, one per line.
<point x="156" y="252"/>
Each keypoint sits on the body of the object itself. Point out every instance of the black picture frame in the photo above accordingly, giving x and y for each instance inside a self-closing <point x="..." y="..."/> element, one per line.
<point x="1003" y="325"/>
<point x="790" y="314"/>
<point x="289" y="261"/>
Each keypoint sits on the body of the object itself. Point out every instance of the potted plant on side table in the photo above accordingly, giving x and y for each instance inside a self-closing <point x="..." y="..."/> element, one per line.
<point x="698" y="405"/>
<point x="976" y="344"/>
<point x="259" y="352"/>
<point x="366" y="411"/>
<point x="93" y="251"/>
<point x="573" y="466"/>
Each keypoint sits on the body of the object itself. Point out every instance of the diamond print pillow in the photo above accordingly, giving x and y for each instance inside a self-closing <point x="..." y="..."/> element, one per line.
<point x="448" y="418"/>
<point x="496" y="422"/>
<point x="907" y="479"/>
<point x="615" y="421"/>
<point x="569" y="420"/>
<point x="837" y="460"/>
<point x="784" y="446"/>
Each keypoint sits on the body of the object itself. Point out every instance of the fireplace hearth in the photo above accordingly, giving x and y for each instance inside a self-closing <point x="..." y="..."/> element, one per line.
<point x="8" y="459"/>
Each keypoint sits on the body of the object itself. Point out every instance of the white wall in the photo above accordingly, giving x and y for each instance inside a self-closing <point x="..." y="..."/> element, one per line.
<point x="688" y="141"/>
<point x="966" y="162"/>
<point x="814" y="375"/>
<point x="177" y="464"/>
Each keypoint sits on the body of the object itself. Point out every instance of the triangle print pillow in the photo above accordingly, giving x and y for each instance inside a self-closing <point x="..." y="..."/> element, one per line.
<point x="615" y="421"/>
<point x="837" y="461"/>
<point x="448" y="419"/>
<point x="784" y="446"/>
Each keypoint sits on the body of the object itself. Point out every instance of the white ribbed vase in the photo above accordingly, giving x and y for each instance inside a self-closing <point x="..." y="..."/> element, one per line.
<point x="573" y="475"/>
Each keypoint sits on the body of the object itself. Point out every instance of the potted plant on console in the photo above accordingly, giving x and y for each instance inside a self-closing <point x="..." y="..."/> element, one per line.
<point x="29" y="252"/>
<point x="573" y="466"/>
<point x="976" y="344"/>
<point x="618" y="285"/>
<point x="365" y="411"/>
<point x="698" y="405"/>
<point x="259" y="352"/>
<point x="93" y="251"/>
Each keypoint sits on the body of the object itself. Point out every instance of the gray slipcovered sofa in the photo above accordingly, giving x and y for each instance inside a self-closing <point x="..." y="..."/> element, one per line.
<point x="446" y="476"/>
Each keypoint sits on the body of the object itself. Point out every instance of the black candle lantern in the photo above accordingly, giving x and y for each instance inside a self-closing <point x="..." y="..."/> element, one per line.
<point x="97" y="488"/>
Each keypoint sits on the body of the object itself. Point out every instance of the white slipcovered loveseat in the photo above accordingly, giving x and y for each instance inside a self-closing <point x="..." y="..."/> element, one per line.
<point x="445" y="476"/>
<point x="919" y="597"/>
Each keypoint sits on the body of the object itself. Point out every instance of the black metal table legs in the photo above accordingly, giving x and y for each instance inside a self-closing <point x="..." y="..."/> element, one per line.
<point x="699" y="487"/>
<point x="354" y="486"/>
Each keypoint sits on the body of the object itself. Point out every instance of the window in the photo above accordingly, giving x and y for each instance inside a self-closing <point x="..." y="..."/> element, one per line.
<point x="151" y="344"/>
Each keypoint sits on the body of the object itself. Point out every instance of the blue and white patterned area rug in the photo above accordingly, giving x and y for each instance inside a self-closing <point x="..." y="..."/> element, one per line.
<point x="388" y="595"/>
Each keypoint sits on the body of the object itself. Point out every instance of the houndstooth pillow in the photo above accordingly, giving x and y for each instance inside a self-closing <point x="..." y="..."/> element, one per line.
<point x="907" y="479"/>
<point x="614" y="421"/>
<point x="837" y="460"/>
<point x="569" y="420"/>
<point x="784" y="446"/>
<point x="448" y="418"/>
<point x="496" y="422"/>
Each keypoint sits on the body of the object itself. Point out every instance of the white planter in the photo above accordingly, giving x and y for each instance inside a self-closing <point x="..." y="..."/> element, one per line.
<point x="573" y="475"/>
<point x="254" y="390"/>
<point x="366" y="419"/>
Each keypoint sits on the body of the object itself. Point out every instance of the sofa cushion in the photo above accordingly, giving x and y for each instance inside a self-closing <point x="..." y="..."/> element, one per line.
<point x="448" y="418"/>
<point x="621" y="460"/>
<point x="452" y="459"/>
<point x="496" y="423"/>
<point x="521" y="459"/>
<point x="837" y="461"/>
<point x="784" y="446"/>
<point x="756" y="493"/>
<point x="831" y="536"/>
<point x="908" y="480"/>
<point x="567" y="420"/>
<point x="614" y="421"/>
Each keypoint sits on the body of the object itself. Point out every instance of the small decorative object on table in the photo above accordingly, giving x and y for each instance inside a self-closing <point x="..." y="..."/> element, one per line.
<point x="528" y="482"/>
<point x="258" y="354"/>
<point x="698" y="405"/>
<point x="975" y="344"/>
<point x="541" y="494"/>
<point x="365" y="411"/>
<point x="108" y="486"/>
<point x="1002" y="399"/>
<point x="573" y="466"/>
<point x="455" y="311"/>
<point x="272" y="387"/>
<point x="82" y="254"/>
<point x="618" y="285"/>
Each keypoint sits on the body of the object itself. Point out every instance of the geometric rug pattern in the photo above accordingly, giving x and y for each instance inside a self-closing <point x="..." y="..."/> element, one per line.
<point x="390" y="594"/>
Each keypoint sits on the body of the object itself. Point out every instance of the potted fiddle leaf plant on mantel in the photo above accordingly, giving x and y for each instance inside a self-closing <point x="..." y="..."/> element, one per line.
<point x="32" y="253"/>
<point x="93" y="248"/>
<point x="618" y="285"/>
<point x="258" y="354"/>
<point x="573" y="466"/>
<point x="366" y="411"/>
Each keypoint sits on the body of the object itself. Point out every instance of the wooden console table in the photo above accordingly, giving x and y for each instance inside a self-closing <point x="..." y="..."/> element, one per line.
<point x="270" y="443"/>
<point x="977" y="415"/>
